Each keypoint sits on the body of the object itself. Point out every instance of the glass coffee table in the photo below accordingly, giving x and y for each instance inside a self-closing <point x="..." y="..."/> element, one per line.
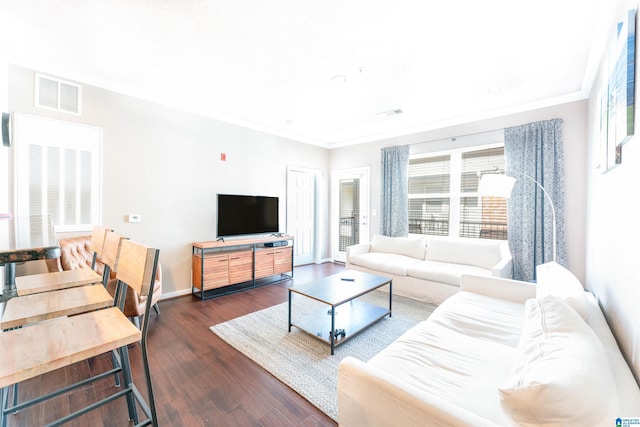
<point x="346" y="316"/>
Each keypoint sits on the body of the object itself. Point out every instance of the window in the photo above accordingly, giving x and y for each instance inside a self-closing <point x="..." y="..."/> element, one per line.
<point x="444" y="199"/>
<point x="58" y="171"/>
<point x="429" y="200"/>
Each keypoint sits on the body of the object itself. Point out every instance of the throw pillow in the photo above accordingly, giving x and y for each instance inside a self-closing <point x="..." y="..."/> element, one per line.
<point x="414" y="248"/>
<point x="560" y="374"/>
<point x="554" y="279"/>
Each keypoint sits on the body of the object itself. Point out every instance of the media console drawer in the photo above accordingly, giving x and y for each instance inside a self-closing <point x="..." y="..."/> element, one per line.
<point x="270" y="261"/>
<point x="283" y="260"/>
<point x="241" y="267"/>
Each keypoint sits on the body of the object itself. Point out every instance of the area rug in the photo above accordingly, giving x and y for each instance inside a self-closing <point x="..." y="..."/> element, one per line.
<point x="305" y="363"/>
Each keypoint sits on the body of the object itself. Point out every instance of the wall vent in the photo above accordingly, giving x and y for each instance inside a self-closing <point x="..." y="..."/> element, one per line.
<point x="58" y="95"/>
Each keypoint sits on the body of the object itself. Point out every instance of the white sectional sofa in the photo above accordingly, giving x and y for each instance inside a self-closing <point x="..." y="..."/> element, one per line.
<point x="500" y="352"/>
<point x="430" y="270"/>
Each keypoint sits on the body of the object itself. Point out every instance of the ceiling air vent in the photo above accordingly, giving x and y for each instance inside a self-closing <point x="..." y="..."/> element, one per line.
<point x="58" y="95"/>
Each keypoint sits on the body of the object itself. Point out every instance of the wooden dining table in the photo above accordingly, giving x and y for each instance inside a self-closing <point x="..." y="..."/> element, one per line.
<point x="24" y="238"/>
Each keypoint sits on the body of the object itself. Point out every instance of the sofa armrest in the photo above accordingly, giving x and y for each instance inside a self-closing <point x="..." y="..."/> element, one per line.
<point x="361" y="248"/>
<point x="369" y="396"/>
<point x="504" y="268"/>
<point x="496" y="287"/>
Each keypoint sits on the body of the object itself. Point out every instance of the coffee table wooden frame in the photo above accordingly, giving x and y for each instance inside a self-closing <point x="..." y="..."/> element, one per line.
<point x="336" y="291"/>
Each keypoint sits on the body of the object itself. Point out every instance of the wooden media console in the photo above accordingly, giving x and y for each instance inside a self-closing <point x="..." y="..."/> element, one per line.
<point x="221" y="267"/>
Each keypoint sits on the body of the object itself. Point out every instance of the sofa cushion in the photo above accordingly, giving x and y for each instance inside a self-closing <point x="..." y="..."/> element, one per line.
<point x="470" y="252"/>
<point x="411" y="247"/>
<point x="554" y="279"/>
<point x="560" y="374"/>
<point x="444" y="272"/>
<point x="384" y="262"/>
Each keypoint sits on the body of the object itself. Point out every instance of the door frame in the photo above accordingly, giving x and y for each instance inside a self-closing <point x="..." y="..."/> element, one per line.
<point x="364" y="174"/>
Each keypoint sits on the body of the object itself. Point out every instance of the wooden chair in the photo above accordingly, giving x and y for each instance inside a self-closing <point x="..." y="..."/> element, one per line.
<point x="44" y="282"/>
<point x="46" y="346"/>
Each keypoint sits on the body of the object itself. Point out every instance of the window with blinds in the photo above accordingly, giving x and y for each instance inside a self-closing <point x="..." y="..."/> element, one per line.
<point x="480" y="216"/>
<point x="444" y="199"/>
<point x="429" y="199"/>
<point x="58" y="172"/>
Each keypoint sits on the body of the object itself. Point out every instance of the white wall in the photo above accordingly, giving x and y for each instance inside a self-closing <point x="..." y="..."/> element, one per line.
<point x="5" y="187"/>
<point x="5" y="153"/>
<point x="613" y="234"/>
<point x="574" y="132"/>
<point x="164" y="164"/>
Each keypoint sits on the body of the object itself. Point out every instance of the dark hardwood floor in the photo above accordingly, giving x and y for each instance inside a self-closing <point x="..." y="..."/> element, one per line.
<point x="199" y="380"/>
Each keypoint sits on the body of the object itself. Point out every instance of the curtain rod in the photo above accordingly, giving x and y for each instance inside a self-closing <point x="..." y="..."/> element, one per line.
<point x="454" y="137"/>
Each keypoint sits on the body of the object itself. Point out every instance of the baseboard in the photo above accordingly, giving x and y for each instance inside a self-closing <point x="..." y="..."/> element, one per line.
<point x="175" y="294"/>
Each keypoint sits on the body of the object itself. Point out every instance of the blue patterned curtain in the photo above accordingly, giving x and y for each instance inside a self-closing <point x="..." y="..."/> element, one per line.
<point x="394" y="215"/>
<point x="535" y="149"/>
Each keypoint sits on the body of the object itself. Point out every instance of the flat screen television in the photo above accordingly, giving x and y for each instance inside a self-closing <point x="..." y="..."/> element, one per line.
<point x="242" y="215"/>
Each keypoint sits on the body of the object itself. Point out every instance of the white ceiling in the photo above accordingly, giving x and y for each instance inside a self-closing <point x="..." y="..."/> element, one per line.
<point x="268" y="64"/>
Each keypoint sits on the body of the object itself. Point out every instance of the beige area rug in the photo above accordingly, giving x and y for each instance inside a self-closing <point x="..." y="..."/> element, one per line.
<point x="305" y="363"/>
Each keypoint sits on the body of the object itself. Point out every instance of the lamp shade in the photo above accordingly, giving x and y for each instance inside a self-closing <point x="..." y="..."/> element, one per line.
<point x="496" y="185"/>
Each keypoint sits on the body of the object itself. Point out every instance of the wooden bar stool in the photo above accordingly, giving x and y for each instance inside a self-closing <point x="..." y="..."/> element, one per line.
<point x="40" y="306"/>
<point x="37" y="307"/>
<point x="45" y="282"/>
<point x="46" y="346"/>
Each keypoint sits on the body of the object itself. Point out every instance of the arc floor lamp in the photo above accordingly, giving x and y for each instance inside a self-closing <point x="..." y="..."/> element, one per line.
<point x="498" y="184"/>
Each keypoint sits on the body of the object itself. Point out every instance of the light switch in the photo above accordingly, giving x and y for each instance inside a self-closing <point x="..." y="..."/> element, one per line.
<point x="135" y="218"/>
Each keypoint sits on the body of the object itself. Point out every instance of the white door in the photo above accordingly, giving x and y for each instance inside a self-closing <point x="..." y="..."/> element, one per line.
<point x="349" y="211"/>
<point x="301" y="213"/>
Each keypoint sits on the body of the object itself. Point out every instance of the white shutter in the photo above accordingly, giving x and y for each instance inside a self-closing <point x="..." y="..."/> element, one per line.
<point x="58" y="171"/>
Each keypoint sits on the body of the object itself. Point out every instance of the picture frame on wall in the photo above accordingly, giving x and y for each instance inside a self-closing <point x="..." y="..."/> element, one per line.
<point x="617" y="108"/>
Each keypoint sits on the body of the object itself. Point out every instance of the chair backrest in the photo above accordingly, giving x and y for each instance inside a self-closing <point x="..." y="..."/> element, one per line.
<point x="137" y="267"/>
<point x="111" y="250"/>
<point x="98" y="236"/>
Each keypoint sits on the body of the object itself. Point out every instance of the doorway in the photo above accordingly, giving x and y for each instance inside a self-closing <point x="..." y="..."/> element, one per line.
<point x="301" y="213"/>
<point x="350" y="210"/>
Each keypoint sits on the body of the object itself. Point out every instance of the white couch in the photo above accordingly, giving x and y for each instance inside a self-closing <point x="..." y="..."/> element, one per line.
<point x="430" y="270"/>
<point x="495" y="355"/>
